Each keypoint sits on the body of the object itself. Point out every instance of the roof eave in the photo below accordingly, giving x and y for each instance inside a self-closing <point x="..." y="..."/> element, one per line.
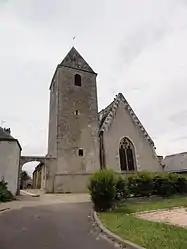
<point x="13" y="140"/>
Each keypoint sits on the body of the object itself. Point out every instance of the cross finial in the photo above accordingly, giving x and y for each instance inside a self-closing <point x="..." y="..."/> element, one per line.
<point x="74" y="37"/>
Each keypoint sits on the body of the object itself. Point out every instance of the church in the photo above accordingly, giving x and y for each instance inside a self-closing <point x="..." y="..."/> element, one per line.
<point x="82" y="140"/>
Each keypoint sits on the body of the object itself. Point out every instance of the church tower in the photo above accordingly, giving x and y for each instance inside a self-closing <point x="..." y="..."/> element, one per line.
<point x="73" y="125"/>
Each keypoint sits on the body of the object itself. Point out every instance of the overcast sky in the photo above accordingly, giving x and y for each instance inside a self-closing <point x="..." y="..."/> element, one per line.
<point x="137" y="47"/>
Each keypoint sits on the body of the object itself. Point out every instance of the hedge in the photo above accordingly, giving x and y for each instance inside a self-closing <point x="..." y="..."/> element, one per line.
<point x="107" y="188"/>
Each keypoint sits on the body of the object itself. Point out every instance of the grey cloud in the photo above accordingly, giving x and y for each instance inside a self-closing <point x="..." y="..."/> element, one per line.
<point x="141" y="39"/>
<point x="179" y="139"/>
<point x="179" y="118"/>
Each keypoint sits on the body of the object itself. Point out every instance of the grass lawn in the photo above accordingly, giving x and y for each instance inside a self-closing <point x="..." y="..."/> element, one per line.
<point x="151" y="235"/>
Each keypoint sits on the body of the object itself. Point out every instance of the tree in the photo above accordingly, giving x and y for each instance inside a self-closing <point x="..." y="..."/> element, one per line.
<point x="24" y="177"/>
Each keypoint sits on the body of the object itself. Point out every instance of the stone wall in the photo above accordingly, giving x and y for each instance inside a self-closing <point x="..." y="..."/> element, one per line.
<point x="53" y="110"/>
<point x="71" y="183"/>
<point x="74" y="131"/>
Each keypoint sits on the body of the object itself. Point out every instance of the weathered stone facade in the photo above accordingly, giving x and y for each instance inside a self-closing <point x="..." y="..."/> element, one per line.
<point x="121" y="122"/>
<point x="81" y="140"/>
<point x="73" y="125"/>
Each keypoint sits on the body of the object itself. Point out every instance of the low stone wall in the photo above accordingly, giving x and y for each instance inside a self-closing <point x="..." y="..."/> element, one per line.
<point x="71" y="183"/>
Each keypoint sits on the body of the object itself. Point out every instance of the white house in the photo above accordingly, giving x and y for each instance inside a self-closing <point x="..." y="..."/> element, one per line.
<point x="10" y="151"/>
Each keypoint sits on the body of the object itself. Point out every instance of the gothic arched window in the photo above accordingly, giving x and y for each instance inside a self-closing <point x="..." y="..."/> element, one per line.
<point x="77" y="80"/>
<point x="127" y="153"/>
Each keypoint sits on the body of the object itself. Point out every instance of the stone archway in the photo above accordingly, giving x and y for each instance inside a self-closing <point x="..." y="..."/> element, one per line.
<point x="43" y="160"/>
<point x="127" y="155"/>
<point x="27" y="159"/>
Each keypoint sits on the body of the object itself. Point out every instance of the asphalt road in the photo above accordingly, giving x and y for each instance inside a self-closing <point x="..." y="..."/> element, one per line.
<point x="57" y="226"/>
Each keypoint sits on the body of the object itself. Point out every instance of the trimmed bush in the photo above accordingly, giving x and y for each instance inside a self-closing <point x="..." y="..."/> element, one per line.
<point x="121" y="188"/>
<point x="179" y="183"/>
<point x="164" y="185"/>
<point x="102" y="187"/>
<point x="5" y="194"/>
<point x="140" y="184"/>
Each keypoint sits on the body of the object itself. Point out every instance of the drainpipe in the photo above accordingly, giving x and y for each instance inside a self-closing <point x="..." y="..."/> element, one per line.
<point x="102" y="150"/>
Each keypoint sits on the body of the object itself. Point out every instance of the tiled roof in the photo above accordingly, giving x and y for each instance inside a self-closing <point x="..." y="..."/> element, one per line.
<point x="5" y="135"/>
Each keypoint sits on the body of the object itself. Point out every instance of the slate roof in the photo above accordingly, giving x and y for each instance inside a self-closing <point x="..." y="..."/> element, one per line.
<point x="107" y="115"/>
<point x="5" y="136"/>
<point x="38" y="167"/>
<point x="104" y="113"/>
<point x="74" y="60"/>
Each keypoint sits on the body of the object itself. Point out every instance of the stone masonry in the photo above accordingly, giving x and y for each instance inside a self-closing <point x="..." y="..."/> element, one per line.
<point x="73" y="125"/>
<point x="81" y="140"/>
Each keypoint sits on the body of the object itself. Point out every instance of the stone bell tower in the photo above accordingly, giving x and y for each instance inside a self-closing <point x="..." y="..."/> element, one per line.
<point x="73" y="125"/>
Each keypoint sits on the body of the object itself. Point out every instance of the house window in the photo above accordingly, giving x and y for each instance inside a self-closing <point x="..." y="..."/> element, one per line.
<point x="77" y="80"/>
<point x="80" y="152"/>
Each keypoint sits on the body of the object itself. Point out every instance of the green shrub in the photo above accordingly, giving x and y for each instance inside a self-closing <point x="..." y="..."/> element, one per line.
<point x="140" y="184"/>
<point x="144" y="184"/>
<point x="179" y="183"/>
<point x="102" y="187"/>
<point x="107" y="188"/>
<point x="164" y="185"/>
<point x="121" y="188"/>
<point x="5" y="194"/>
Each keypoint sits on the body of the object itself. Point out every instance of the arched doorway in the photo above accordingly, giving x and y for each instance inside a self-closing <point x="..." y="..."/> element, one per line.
<point x="127" y="155"/>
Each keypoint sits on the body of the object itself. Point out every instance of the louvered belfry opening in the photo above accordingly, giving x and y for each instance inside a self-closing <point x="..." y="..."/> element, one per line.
<point x="127" y="153"/>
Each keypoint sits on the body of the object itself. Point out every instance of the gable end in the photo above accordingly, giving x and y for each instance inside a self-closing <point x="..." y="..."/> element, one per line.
<point x="105" y="125"/>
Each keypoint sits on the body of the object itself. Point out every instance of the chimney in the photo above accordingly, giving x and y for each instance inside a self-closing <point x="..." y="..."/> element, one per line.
<point x="7" y="130"/>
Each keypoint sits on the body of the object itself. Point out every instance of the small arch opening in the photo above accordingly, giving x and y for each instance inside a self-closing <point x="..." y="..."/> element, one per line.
<point x="77" y="80"/>
<point x="80" y="152"/>
<point x="77" y="112"/>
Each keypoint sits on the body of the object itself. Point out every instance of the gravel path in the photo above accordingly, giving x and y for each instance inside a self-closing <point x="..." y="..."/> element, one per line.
<point x="176" y="216"/>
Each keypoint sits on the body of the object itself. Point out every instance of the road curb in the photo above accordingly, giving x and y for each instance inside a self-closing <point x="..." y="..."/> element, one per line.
<point x="114" y="237"/>
<point x="28" y="193"/>
<point x="4" y="209"/>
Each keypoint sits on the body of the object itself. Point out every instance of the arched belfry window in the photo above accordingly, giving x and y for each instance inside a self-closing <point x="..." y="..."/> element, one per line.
<point x="77" y="80"/>
<point x="127" y="155"/>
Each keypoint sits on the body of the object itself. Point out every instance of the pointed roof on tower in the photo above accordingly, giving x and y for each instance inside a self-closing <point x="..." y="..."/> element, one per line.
<point x="74" y="60"/>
